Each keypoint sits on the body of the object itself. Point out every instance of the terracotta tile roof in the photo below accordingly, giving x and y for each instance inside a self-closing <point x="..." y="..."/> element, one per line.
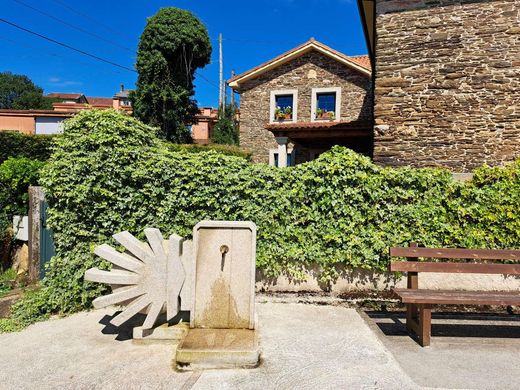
<point x="99" y="101"/>
<point x="362" y="60"/>
<point x="360" y="63"/>
<point x="9" y="112"/>
<point x="65" y="95"/>
<point x="318" y="125"/>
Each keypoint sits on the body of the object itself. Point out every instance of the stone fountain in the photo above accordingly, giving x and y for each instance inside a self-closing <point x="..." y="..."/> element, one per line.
<point x="214" y="279"/>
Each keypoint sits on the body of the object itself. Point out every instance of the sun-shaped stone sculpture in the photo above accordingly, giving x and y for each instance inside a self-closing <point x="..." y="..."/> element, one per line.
<point x="148" y="277"/>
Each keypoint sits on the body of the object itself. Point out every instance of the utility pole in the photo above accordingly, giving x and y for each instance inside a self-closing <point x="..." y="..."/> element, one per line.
<point x="221" y="65"/>
<point x="232" y="91"/>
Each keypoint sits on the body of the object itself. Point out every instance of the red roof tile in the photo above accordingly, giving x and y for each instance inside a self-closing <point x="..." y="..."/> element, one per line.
<point x="362" y="60"/>
<point x="358" y="124"/>
<point x="11" y="112"/>
<point x="65" y="95"/>
<point x="99" y="101"/>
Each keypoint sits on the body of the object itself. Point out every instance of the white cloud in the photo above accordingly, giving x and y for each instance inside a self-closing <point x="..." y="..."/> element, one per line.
<point x="58" y="82"/>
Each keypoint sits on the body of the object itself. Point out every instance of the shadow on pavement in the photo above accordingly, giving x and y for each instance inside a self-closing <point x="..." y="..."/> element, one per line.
<point x="123" y="332"/>
<point x="486" y="325"/>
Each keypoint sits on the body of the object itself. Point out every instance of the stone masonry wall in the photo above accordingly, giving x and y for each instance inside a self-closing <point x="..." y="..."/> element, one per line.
<point x="311" y="70"/>
<point x="447" y="86"/>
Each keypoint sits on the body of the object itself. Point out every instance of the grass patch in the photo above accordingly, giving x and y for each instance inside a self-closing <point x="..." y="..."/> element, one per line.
<point x="6" y="279"/>
<point x="8" y="325"/>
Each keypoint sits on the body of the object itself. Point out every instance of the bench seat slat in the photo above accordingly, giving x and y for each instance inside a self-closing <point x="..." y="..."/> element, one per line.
<point x="473" y="268"/>
<point x="453" y="297"/>
<point x="456" y="253"/>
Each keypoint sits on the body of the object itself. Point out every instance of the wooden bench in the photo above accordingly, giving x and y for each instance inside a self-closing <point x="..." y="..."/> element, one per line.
<point x="419" y="301"/>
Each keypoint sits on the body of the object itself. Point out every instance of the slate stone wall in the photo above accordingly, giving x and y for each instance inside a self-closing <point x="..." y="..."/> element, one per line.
<point x="447" y="85"/>
<point x="311" y="70"/>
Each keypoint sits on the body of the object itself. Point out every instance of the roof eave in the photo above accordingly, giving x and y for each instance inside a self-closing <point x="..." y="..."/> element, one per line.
<point x="235" y="82"/>
<point x="367" y="16"/>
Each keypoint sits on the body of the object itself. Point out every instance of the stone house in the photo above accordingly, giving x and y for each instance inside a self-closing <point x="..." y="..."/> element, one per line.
<point x="301" y="103"/>
<point x="446" y="81"/>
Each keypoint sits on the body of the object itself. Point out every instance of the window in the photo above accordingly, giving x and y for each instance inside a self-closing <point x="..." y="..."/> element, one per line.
<point x="289" y="159"/>
<point x="326" y="101"/>
<point x="326" y="104"/>
<point x="273" y="157"/>
<point x="284" y="106"/>
<point x="284" y="101"/>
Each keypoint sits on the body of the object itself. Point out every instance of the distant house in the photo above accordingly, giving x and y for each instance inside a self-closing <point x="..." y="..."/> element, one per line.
<point x="51" y="121"/>
<point x="69" y="98"/>
<point x="202" y="131"/>
<point x="77" y="101"/>
<point x="447" y="81"/>
<point x="301" y="103"/>
<point x="121" y="99"/>
<point x="33" y="121"/>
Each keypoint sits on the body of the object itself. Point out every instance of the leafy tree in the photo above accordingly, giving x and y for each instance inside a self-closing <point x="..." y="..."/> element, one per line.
<point x="226" y="128"/>
<point x="20" y="93"/>
<point x="172" y="46"/>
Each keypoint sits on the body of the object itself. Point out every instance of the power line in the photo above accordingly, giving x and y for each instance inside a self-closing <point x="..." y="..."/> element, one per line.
<point x="246" y="41"/>
<point x="64" y="22"/>
<point x="207" y="80"/>
<point x="259" y="42"/>
<point x="67" y="46"/>
<point x="88" y="17"/>
<point x="88" y="54"/>
<point x="50" y="54"/>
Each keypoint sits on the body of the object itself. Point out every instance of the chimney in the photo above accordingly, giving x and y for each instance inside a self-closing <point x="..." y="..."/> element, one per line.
<point x="122" y="87"/>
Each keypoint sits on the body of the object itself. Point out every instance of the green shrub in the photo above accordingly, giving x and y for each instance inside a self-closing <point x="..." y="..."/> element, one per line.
<point x="15" y="144"/>
<point x="226" y="130"/>
<point x="109" y="173"/>
<point x="229" y="150"/>
<point x="6" y="279"/>
<point x="16" y="175"/>
<point x="10" y="325"/>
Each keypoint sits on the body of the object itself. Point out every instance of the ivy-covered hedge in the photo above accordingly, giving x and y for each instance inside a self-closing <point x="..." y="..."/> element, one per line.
<point x="109" y="173"/>
<point x="15" y="144"/>
<point x="230" y="150"/>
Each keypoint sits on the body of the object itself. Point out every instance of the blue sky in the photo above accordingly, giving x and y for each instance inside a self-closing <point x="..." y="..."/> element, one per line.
<point x="253" y="31"/>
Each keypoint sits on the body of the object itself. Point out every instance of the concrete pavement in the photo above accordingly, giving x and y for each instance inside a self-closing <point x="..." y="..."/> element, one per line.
<point x="303" y="346"/>
<point x="468" y="350"/>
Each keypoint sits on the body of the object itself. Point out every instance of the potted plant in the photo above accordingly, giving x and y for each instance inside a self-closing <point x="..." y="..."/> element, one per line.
<point x="282" y="114"/>
<point x="288" y="113"/>
<point x="324" y="114"/>
<point x="279" y="113"/>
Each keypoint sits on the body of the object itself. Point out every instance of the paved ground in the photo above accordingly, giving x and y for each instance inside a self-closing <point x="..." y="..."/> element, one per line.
<point x="468" y="351"/>
<point x="304" y="347"/>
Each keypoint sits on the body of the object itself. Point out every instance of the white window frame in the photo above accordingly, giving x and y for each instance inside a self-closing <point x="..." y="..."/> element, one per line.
<point x="290" y="151"/>
<point x="314" y="102"/>
<point x="272" y="105"/>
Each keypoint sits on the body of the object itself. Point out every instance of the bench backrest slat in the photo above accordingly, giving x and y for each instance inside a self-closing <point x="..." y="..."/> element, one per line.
<point x="456" y="253"/>
<point x="473" y="268"/>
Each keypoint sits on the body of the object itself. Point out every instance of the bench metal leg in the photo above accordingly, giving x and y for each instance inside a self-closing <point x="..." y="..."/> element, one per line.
<point x="425" y="325"/>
